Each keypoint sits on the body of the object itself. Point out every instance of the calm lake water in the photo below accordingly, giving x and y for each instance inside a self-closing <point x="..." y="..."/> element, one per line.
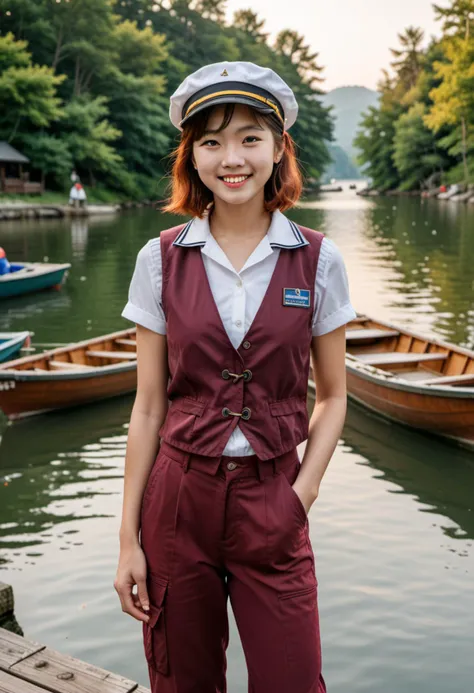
<point x="393" y="529"/>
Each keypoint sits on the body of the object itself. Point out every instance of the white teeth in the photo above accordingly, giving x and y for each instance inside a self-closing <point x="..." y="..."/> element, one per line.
<point x="235" y="179"/>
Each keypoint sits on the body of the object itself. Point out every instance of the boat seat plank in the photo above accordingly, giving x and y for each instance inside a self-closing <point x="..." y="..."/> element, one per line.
<point x="65" y="365"/>
<point x="394" y="358"/>
<point x="361" y="335"/>
<point x="126" y="342"/>
<point x="466" y="379"/>
<point x="120" y="355"/>
<point x="359" y="319"/>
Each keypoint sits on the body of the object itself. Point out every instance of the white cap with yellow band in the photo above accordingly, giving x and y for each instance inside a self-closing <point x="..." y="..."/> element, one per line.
<point x="234" y="82"/>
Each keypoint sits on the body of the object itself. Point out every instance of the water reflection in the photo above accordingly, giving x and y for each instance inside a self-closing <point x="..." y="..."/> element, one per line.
<point x="430" y="250"/>
<point x="53" y="466"/>
<point x="434" y="473"/>
<point x="79" y="236"/>
<point x="22" y="310"/>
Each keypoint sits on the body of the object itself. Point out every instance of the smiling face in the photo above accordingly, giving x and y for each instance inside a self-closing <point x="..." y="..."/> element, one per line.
<point x="236" y="160"/>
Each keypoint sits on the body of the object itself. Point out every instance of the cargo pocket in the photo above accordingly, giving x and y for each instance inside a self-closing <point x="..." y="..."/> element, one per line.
<point x="154" y="632"/>
<point x="299" y="613"/>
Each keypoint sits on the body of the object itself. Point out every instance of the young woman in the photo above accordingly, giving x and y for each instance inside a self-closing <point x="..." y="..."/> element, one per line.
<point x="229" y="307"/>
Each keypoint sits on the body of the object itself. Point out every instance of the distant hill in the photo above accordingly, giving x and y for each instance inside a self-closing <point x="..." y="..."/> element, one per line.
<point x="341" y="167"/>
<point x="348" y="105"/>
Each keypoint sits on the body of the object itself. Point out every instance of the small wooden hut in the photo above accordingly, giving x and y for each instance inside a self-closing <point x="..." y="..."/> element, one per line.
<point x="13" y="179"/>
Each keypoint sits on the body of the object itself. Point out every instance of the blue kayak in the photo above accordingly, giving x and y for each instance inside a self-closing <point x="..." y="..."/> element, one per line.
<point x="31" y="276"/>
<point x="11" y="343"/>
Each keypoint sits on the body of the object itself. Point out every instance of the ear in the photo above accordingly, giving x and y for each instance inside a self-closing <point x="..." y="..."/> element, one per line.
<point x="278" y="155"/>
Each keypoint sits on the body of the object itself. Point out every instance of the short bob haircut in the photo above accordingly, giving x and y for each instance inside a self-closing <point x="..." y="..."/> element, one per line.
<point x="189" y="195"/>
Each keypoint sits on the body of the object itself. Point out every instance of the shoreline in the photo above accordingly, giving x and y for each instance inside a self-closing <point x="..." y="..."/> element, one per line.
<point x="11" y="211"/>
<point x="459" y="195"/>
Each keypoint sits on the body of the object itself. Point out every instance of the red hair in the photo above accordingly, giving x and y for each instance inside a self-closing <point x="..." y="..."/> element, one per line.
<point x="189" y="195"/>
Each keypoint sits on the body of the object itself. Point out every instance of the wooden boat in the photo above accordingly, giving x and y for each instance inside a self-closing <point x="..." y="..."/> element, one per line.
<point x="423" y="383"/>
<point x="75" y="374"/>
<point x="32" y="276"/>
<point x="11" y="343"/>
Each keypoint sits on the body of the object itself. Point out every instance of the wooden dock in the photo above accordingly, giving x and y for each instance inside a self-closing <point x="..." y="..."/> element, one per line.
<point x="27" y="666"/>
<point x="9" y="212"/>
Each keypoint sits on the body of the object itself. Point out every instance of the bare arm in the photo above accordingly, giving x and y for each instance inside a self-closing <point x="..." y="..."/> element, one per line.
<point x="327" y="420"/>
<point x="148" y="414"/>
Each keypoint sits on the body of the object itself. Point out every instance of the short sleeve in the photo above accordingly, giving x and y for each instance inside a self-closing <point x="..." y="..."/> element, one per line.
<point x="332" y="305"/>
<point x="144" y="305"/>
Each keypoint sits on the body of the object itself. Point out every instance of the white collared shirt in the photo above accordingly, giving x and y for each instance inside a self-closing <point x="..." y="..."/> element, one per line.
<point x="238" y="295"/>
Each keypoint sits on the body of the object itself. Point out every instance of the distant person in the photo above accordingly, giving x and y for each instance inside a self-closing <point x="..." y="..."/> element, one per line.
<point x="229" y="308"/>
<point x="77" y="195"/>
<point x="81" y="194"/>
<point x="74" y="177"/>
<point x="5" y="266"/>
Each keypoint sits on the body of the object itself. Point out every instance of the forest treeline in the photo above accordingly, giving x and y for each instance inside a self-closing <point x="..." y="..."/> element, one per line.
<point x="86" y="83"/>
<point x="422" y="132"/>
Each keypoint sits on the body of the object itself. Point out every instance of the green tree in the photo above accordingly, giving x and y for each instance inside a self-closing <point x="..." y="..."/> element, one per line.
<point x="292" y="46"/>
<point x="248" y="22"/>
<point x="211" y="9"/>
<point x="458" y="18"/>
<point x="50" y="155"/>
<point x="453" y="100"/>
<point x="29" y="90"/>
<point x="409" y="60"/>
<point x="136" y="95"/>
<point x="90" y="136"/>
<point x="416" y="154"/>
<point x="375" y="137"/>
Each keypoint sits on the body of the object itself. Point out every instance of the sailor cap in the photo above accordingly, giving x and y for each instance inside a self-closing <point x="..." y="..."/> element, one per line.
<point x="234" y="82"/>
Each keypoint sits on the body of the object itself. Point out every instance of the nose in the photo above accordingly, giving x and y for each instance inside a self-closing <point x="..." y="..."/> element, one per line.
<point x="232" y="157"/>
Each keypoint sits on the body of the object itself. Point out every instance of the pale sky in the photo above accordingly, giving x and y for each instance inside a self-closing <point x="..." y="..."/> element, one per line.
<point x="352" y="37"/>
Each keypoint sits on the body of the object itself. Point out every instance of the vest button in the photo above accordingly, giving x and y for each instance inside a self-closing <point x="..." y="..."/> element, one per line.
<point x="225" y="412"/>
<point x="246" y="345"/>
<point x="231" y="466"/>
<point x="247" y="375"/>
<point x="226" y="374"/>
<point x="246" y="414"/>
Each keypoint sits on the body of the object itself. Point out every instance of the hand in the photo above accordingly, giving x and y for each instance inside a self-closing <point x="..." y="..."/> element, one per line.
<point x="305" y="495"/>
<point x="131" y="571"/>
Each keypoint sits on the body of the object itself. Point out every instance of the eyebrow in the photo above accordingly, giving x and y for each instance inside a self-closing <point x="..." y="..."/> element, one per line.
<point x="244" y="127"/>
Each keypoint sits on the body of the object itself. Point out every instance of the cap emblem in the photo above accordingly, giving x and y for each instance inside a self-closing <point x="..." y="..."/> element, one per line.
<point x="224" y="74"/>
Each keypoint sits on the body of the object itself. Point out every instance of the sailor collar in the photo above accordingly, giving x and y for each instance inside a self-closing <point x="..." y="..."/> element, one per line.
<point x="283" y="233"/>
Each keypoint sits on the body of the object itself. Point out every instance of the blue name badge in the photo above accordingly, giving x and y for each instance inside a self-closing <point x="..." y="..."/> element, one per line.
<point x="298" y="298"/>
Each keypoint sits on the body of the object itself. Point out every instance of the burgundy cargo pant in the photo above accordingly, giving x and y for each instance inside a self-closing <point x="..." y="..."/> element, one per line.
<point x="214" y="527"/>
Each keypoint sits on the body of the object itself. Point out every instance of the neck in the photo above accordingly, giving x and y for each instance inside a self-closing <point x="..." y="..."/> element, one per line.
<point x="245" y="221"/>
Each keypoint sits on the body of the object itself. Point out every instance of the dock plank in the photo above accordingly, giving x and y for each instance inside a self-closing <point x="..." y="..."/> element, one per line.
<point x="11" y="684"/>
<point x="353" y="335"/>
<point x="65" y="674"/>
<point x="14" y="648"/>
<point x="397" y="358"/>
<point x="43" y="669"/>
<point x="121" y="355"/>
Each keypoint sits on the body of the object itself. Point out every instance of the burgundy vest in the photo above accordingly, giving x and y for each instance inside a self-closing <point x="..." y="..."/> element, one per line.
<point x="272" y="360"/>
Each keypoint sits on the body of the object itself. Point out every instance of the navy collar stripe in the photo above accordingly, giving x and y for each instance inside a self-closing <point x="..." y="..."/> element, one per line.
<point x="183" y="234"/>
<point x="298" y="233"/>
<point x="300" y="239"/>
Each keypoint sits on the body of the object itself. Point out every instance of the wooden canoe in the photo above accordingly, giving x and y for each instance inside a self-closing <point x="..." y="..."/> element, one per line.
<point x="75" y="374"/>
<point x="423" y="383"/>
<point x="11" y="343"/>
<point x="32" y="276"/>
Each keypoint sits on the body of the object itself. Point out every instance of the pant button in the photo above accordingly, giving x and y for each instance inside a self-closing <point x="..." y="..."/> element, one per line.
<point x="231" y="466"/>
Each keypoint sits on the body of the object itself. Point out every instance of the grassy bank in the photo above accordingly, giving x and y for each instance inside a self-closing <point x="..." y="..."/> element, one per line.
<point x="155" y="190"/>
